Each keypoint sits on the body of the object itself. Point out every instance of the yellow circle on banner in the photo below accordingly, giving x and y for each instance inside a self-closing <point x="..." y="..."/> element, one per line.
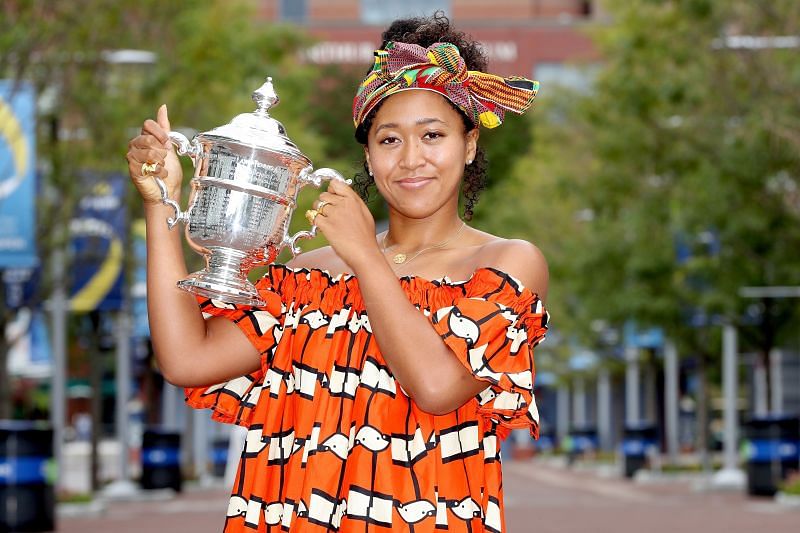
<point x="100" y="284"/>
<point x="12" y="134"/>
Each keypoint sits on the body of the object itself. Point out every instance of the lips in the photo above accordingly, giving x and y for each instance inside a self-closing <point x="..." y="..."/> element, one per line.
<point x="415" y="182"/>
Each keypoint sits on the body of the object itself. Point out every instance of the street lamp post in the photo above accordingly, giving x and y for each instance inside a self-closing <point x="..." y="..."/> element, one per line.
<point x="731" y="476"/>
<point x="671" y="399"/>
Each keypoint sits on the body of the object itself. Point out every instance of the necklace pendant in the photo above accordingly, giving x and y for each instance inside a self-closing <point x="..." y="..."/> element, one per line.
<point x="399" y="259"/>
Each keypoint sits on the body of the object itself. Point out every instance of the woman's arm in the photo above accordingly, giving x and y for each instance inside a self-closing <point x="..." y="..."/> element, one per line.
<point x="423" y="364"/>
<point x="190" y="351"/>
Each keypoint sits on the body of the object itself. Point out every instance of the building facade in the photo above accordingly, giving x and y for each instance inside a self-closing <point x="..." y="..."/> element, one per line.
<point x="543" y="39"/>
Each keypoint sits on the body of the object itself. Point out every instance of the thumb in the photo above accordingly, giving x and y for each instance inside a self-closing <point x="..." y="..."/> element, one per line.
<point x="163" y="118"/>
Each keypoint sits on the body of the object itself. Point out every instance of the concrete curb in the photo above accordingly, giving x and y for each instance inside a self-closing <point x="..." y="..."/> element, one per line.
<point x="788" y="500"/>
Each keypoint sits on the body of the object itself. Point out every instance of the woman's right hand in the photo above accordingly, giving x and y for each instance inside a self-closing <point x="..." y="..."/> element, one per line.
<point x="153" y="146"/>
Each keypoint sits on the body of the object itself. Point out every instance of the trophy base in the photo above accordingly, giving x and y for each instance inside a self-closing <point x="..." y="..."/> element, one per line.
<point x="238" y="291"/>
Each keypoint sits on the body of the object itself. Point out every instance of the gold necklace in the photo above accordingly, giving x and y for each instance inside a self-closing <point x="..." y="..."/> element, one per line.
<point x="401" y="258"/>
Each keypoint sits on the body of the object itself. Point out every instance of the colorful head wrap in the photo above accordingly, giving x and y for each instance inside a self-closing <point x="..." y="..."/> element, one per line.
<point x="482" y="97"/>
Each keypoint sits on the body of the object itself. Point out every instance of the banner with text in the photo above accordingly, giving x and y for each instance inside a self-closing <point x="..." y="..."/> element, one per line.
<point x="17" y="175"/>
<point x="98" y="234"/>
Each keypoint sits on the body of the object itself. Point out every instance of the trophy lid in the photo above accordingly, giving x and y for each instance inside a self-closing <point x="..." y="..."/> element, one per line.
<point x="257" y="128"/>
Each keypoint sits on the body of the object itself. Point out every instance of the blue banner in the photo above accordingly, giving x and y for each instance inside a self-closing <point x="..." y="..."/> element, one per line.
<point x="17" y="175"/>
<point x="98" y="232"/>
<point x="21" y="286"/>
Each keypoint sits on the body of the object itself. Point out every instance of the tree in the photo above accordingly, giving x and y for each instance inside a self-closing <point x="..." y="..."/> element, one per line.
<point x="673" y="182"/>
<point x="207" y="59"/>
<point x="59" y="48"/>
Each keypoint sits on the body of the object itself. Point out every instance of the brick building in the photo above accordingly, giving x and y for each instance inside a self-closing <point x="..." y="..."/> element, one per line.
<point x="543" y="39"/>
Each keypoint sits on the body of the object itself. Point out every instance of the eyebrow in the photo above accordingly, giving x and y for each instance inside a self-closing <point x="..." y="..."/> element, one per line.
<point x="420" y="122"/>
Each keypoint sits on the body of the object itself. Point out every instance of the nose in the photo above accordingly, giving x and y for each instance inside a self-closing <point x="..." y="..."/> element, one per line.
<point x="413" y="155"/>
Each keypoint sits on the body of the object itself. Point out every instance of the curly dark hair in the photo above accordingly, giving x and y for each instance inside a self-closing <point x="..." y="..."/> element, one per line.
<point x="425" y="31"/>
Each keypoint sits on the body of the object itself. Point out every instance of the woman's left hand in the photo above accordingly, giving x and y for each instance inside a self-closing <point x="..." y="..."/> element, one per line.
<point x="348" y="225"/>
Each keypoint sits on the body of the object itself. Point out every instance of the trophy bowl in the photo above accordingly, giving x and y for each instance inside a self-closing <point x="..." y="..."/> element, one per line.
<point x="244" y="191"/>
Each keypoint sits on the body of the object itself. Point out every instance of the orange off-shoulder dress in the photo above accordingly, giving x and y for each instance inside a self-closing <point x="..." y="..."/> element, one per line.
<point x="335" y="444"/>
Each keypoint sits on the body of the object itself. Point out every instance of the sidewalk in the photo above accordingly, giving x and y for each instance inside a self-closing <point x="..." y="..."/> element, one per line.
<point x="545" y="496"/>
<point x="541" y="497"/>
<point x="195" y="510"/>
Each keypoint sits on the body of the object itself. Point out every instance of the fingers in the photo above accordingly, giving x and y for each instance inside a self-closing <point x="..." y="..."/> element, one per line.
<point x="340" y="188"/>
<point x="158" y="128"/>
<point x="328" y="198"/>
<point x="145" y="153"/>
<point x="162" y="118"/>
<point x="139" y="169"/>
<point x="146" y="148"/>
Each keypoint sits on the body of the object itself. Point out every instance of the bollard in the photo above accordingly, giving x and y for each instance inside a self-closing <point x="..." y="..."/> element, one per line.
<point x="27" y="493"/>
<point x="161" y="460"/>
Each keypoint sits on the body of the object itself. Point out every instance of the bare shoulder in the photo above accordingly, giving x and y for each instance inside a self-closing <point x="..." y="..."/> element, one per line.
<point x="323" y="258"/>
<point x="521" y="259"/>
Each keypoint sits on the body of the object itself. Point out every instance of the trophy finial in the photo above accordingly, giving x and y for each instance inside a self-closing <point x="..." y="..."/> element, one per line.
<point x="265" y="96"/>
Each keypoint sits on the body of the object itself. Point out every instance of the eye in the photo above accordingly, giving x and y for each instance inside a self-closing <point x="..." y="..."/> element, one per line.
<point x="389" y="139"/>
<point x="432" y="135"/>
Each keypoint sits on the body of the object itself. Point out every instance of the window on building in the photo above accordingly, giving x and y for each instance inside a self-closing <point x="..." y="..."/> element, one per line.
<point x="381" y="12"/>
<point x="575" y="77"/>
<point x="293" y="10"/>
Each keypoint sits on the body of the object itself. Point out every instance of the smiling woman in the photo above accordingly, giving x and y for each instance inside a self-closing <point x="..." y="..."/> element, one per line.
<point x="375" y="389"/>
<point x="416" y="151"/>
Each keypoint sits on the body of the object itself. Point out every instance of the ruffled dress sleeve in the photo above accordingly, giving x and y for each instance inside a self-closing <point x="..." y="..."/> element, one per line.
<point x="493" y="329"/>
<point x="234" y="401"/>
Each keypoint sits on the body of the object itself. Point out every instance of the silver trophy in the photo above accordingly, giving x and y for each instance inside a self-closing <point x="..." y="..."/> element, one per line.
<point x="244" y="190"/>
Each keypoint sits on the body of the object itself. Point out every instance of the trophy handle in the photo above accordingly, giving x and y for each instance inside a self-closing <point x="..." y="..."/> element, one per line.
<point x="180" y="216"/>
<point x="315" y="178"/>
<point x="184" y="147"/>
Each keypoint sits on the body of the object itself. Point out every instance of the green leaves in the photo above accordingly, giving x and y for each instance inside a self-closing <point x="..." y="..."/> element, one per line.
<point x="682" y="139"/>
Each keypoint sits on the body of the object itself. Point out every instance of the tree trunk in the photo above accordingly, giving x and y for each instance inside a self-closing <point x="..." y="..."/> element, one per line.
<point x="767" y="343"/>
<point x="702" y="411"/>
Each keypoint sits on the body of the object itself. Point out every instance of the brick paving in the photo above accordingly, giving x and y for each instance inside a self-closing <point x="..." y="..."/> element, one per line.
<point x="540" y="498"/>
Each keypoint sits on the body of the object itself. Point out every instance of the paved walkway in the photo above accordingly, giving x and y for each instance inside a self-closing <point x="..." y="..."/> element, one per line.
<point x="545" y="499"/>
<point x="540" y="498"/>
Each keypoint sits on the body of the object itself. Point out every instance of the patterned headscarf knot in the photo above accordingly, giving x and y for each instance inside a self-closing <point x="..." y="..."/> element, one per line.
<point x="482" y="97"/>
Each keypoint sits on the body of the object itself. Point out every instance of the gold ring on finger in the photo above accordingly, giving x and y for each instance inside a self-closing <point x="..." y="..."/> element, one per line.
<point x="311" y="214"/>
<point x="149" y="168"/>
<point x="321" y="207"/>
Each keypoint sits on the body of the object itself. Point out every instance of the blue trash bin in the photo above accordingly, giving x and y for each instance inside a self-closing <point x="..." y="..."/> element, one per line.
<point x="161" y="460"/>
<point x="584" y="440"/>
<point x="219" y="456"/>
<point x="581" y="441"/>
<point x="771" y="450"/>
<point x="546" y="442"/>
<point x="637" y="442"/>
<point x="27" y="476"/>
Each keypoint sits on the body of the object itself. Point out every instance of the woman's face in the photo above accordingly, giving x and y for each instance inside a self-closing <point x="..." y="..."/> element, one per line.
<point x="417" y="149"/>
